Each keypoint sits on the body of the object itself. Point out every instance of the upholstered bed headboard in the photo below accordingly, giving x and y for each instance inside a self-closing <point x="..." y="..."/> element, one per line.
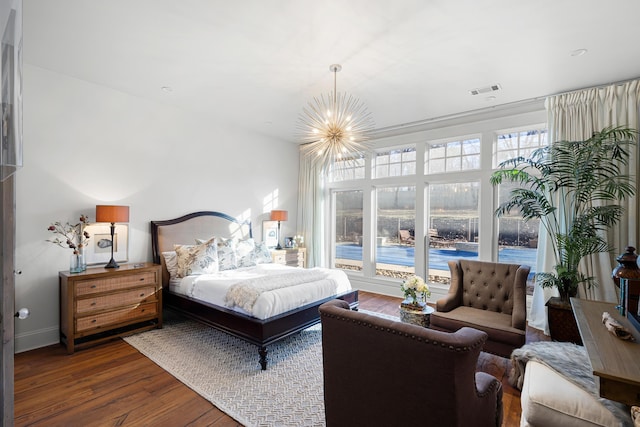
<point x="187" y="228"/>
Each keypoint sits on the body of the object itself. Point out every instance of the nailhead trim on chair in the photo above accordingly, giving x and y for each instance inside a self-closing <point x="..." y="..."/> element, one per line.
<point x="393" y="331"/>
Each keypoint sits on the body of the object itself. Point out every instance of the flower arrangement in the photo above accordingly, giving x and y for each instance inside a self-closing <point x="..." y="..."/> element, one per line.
<point x="413" y="286"/>
<point x="72" y="236"/>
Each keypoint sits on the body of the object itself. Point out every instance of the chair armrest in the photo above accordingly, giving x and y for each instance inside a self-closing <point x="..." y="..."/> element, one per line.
<point x="519" y="313"/>
<point x="454" y="297"/>
<point x="488" y="387"/>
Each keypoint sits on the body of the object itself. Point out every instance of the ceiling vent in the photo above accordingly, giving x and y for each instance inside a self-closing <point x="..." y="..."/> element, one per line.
<point x="486" y="89"/>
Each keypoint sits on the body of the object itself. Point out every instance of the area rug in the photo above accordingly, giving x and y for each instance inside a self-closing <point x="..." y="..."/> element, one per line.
<point x="225" y="371"/>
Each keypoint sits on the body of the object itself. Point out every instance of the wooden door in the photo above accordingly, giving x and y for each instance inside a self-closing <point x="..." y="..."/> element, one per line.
<point x="7" y="296"/>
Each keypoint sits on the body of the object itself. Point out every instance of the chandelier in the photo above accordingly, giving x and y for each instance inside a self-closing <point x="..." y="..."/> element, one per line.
<point x="334" y="129"/>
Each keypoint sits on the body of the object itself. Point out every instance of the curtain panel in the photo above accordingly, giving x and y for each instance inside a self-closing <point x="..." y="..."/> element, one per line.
<point x="575" y="116"/>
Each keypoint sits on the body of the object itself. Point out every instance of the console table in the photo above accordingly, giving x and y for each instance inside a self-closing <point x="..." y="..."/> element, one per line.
<point x="615" y="362"/>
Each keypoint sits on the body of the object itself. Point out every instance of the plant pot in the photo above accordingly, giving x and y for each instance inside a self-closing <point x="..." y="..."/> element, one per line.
<point x="562" y="322"/>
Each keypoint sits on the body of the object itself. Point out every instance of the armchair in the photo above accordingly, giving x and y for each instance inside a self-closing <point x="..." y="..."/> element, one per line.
<point x="379" y="372"/>
<point x="487" y="296"/>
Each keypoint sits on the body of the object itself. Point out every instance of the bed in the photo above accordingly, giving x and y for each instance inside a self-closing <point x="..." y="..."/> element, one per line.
<point x="235" y="321"/>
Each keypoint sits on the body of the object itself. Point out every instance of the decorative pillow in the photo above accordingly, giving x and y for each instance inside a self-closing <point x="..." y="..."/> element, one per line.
<point x="198" y="259"/>
<point x="245" y="252"/>
<point x="226" y="254"/>
<point x="171" y="262"/>
<point x="263" y="255"/>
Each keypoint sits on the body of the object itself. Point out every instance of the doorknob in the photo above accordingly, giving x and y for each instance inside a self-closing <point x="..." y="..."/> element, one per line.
<point x="23" y="313"/>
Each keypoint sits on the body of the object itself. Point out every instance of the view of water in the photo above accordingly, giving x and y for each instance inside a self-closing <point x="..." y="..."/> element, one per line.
<point x="404" y="255"/>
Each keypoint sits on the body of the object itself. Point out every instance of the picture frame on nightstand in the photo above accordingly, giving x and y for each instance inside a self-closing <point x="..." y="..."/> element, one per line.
<point x="98" y="250"/>
<point x="270" y="233"/>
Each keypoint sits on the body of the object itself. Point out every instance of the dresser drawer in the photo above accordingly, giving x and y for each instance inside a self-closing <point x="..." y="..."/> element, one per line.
<point x="125" y="315"/>
<point x="88" y="287"/>
<point x="132" y="296"/>
<point x="279" y="258"/>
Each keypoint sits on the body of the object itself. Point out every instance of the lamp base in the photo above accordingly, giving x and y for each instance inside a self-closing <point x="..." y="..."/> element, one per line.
<point x="112" y="264"/>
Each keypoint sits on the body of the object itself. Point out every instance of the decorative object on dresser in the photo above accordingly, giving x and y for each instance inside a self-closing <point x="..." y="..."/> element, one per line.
<point x="296" y="257"/>
<point x="112" y="214"/>
<point x="97" y="305"/>
<point x="278" y="215"/>
<point x="271" y="319"/>
<point x="74" y="237"/>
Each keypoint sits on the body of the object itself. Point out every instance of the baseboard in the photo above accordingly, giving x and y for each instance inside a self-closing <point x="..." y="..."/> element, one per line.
<point x="36" y="339"/>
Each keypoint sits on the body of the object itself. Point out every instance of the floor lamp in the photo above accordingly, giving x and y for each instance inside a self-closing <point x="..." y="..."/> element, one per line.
<point x="112" y="214"/>
<point x="279" y="216"/>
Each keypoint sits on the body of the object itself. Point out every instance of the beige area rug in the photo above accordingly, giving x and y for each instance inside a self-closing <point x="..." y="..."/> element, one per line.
<point x="225" y="371"/>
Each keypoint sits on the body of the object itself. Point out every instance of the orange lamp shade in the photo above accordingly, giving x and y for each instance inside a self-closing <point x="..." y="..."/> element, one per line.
<point x="279" y="215"/>
<point x="107" y="213"/>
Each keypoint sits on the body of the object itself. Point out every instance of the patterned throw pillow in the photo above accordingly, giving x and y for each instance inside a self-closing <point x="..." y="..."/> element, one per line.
<point x="227" y="254"/>
<point x="245" y="252"/>
<point x="263" y="255"/>
<point x="198" y="259"/>
<point x="171" y="261"/>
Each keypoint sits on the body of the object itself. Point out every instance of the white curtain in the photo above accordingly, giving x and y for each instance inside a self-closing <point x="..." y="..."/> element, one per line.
<point x="574" y="117"/>
<point x="310" y="210"/>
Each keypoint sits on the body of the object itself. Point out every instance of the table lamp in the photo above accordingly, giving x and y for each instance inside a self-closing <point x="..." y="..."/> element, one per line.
<point x="279" y="216"/>
<point x="112" y="214"/>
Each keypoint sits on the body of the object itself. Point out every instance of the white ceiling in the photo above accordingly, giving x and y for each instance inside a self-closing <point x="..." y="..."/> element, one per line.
<point x="257" y="63"/>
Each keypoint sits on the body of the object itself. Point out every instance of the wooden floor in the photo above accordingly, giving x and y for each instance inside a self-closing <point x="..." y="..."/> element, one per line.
<point x="114" y="385"/>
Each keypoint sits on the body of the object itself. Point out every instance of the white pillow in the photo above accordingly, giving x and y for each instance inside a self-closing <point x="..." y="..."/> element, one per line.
<point x="198" y="259"/>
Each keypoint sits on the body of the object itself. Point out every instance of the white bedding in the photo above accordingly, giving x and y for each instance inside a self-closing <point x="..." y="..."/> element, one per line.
<point x="213" y="288"/>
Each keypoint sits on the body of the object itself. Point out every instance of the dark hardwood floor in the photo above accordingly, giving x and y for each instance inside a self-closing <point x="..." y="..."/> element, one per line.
<point x="114" y="385"/>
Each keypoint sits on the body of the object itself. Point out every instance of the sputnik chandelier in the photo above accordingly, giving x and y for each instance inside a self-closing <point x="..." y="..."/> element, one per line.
<point x="334" y="129"/>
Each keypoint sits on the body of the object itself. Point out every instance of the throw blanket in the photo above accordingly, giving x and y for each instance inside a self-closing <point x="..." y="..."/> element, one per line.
<point x="569" y="360"/>
<point x="246" y="293"/>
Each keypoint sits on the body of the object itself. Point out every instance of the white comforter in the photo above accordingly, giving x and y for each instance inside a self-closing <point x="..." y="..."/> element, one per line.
<point x="213" y="288"/>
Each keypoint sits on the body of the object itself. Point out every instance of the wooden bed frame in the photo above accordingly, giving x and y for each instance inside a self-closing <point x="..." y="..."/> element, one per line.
<point x="203" y="225"/>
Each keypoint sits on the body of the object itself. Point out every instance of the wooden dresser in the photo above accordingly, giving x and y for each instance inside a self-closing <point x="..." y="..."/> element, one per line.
<point x="100" y="304"/>
<point x="296" y="257"/>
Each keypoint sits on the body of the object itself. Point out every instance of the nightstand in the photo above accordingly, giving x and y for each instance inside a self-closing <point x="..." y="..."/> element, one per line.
<point x="100" y="304"/>
<point x="295" y="257"/>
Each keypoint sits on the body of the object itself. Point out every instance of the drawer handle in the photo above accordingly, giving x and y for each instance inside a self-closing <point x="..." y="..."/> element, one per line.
<point x="142" y="279"/>
<point x="94" y="320"/>
<point x="93" y="286"/>
<point x="93" y="303"/>
<point x="142" y="294"/>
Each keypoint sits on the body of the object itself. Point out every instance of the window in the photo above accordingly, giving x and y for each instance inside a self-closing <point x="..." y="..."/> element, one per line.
<point x="421" y="217"/>
<point x="348" y="227"/>
<point x="348" y="170"/>
<point x="400" y="162"/>
<point x="452" y="156"/>
<point x="396" y="219"/>
<point x="510" y="145"/>
<point x="453" y="226"/>
<point x="517" y="239"/>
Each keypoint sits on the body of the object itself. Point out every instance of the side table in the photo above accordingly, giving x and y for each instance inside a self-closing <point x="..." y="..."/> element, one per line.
<point x="417" y="317"/>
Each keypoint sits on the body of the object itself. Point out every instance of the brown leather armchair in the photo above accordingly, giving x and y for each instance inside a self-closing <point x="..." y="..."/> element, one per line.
<point x="487" y="296"/>
<point x="379" y="372"/>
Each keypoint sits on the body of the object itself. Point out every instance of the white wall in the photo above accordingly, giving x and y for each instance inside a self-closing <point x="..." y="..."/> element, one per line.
<point x="86" y="145"/>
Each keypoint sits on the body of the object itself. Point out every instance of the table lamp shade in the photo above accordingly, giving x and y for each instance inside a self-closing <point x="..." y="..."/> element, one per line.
<point x="279" y="215"/>
<point x="108" y="213"/>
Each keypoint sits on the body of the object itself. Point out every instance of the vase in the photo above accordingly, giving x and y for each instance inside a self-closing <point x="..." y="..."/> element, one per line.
<point x="76" y="263"/>
<point x="627" y="266"/>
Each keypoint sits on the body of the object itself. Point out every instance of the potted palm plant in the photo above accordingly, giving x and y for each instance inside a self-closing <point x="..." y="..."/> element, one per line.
<point x="573" y="188"/>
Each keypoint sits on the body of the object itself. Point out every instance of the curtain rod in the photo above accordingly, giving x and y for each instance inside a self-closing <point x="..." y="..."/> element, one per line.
<point x="509" y="105"/>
